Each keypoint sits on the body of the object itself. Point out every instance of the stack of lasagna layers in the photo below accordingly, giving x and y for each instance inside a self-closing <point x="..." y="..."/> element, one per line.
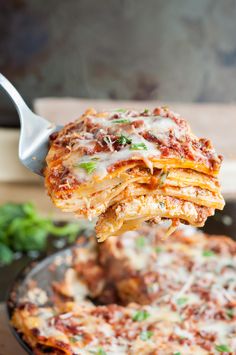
<point x="126" y="167"/>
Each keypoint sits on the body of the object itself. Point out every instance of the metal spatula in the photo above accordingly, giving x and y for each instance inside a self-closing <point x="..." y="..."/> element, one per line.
<point x="34" y="134"/>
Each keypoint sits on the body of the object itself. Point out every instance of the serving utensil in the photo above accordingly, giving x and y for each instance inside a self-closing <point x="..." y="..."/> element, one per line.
<point x="34" y="133"/>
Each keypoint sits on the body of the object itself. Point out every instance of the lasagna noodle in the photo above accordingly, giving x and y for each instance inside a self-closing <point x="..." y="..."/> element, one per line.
<point x="105" y="161"/>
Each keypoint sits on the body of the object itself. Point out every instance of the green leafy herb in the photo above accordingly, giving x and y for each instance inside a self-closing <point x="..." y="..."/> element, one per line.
<point x="89" y="166"/>
<point x="23" y="230"/>
<point x="158" y="250"/>
<point x="122" y="120"/>
<point x="146" y="110"/>
<point x="230" y="312"/>
<point x="163" y="178"/>
<point x="124" y="140"/>
<point x="178" y="353"/>
<point x="6" y="254"/>
<point x="140" y="316"/>
<point x="182" y="301"/>
<point x="146" y="335"/>
<point x="138" y="146"/>
<point x="208" y="253"/>
<point x="141" y="242"/>
<point x="223" y="349"/>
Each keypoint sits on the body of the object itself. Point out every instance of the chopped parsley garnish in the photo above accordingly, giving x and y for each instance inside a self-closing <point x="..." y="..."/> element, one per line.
<point x="230" y="312"/>
<point x="178" y="353"/>
<point x="182" y="301"/>
<point x="223" y="348"/>
<point x="141" y="242"/>
<point x="124" y="140"/>
<point x="140" y="316"/>
<point x="122" y="120"/>
<point x="158" y="250"/>
<point x="162" y="179"/>
<point x="76" y="338"/>
<point x="146" y="335"/>
<point x="138" y="146"/>
<point x="162" y="204"/>
<point x="89" y="166"/>
<point x="208" y="253"/>
<point x="121" y="110"/>
<point x="146" y="110"/>
<point x="100" y="351"/>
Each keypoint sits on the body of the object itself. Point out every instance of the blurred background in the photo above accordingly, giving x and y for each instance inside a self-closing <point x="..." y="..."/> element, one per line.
<point x="168" y="50"/>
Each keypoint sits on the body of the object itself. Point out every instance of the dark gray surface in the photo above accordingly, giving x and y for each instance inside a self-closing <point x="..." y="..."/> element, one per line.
<point x="180" y="50"/>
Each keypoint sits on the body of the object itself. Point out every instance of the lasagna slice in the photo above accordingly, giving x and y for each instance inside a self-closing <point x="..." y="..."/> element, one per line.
<point x="126" y="167"/>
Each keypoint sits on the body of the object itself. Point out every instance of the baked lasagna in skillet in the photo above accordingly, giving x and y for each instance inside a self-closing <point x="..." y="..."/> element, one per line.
<point x="138" y="294"/>
<point x="126" y="167"/>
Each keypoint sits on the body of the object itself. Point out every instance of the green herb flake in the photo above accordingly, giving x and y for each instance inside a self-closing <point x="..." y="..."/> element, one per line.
<point x="89" y="166"/>
<point x="158" y="250"/>
<point x="208" y="253"/>
<point x="181" y="301"/>
<point x="141" y="242"/>
<point x="124" y="140"/>
<point x="122" y="120"/>
<point x="162" y="204"/>
<point x="223" y="349"/>
<point x="230" y="313"/>
<point x="101" y="352"/>
<point x="76" y="338"/>
<point x="163" y="178"/>
<point x="121" y="110"/>
<point x="138" y="146"/>
<point x="178" y="353"/>
<point x="140" y="316"/>
<point x="146" y="335"/>
<point x="146" y="110"/>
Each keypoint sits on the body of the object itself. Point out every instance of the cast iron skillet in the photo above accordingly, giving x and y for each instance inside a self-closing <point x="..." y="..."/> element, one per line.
<point x="222" y="223"/>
